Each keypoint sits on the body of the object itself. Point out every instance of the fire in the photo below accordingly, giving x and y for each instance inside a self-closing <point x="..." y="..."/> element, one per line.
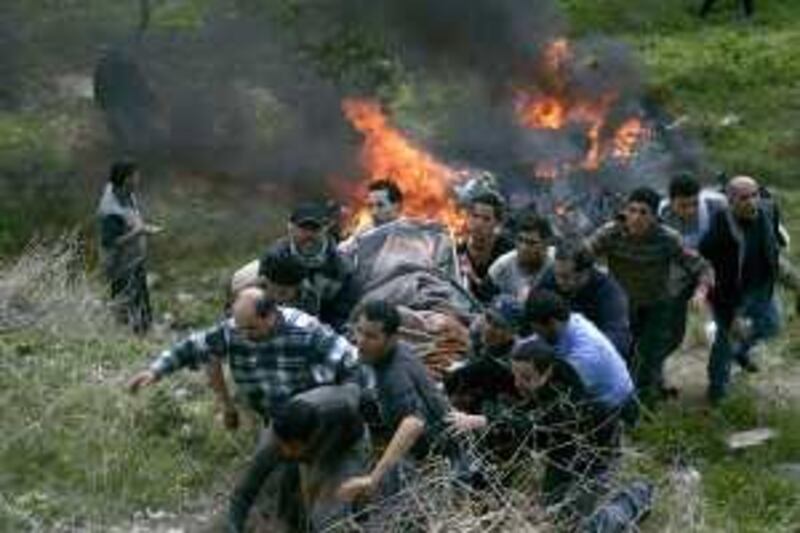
<point x="557" y="108"/>
<point x="426" y="183"/>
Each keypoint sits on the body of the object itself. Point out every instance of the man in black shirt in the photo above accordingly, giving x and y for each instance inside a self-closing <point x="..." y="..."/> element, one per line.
<point x="412" y="410"/>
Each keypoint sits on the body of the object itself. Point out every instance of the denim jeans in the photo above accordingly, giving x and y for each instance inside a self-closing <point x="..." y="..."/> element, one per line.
<point x="760" y="308"/>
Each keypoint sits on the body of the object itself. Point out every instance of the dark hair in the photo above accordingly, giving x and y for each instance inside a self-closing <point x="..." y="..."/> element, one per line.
<point x="282" y="269"/>
<point x="264" y="306"/>
<point x="295" y="421"/>
<point x="683" y="186"/>
<point x="647" y="196"/>
<point x="531" y="221"/>
<point x="121" y="171"/>
<point x="492" y="199"/>
<point x="577" y="252"/>
<point x="543" y="305"/>
<point x="392" y="190"/>
<point x="536" y="352"/>
<point x="383" y="312"/>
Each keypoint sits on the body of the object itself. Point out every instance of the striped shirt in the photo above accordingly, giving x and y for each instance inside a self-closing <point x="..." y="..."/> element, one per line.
<point x="642" y="265"/>
<point x="299" y="354"/>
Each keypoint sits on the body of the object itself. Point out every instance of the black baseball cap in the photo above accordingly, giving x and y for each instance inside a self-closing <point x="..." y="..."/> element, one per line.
<point x="310" y="214"/>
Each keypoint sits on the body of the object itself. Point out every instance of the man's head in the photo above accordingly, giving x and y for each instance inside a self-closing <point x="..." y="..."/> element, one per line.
<point x="124" y="176"/>
<point x="533" y="237"/>
<point x="254" y="313"/>
<point x="295" y="425"/>
<point x="376" y="330"/>
<point x="641" y="211"/>
<point x="283" y="274"/>
<point x="684" y="192"/>
<point x="743" y="197"/>
<point x="502" y="320"/>
<point x="385" y="201"/>
<point x="485" y="215"/>
<point x="532" y="364"/>
<point x="547" y="313"/>
<point x="308" y="225"/>
<point x="573" y="266"/>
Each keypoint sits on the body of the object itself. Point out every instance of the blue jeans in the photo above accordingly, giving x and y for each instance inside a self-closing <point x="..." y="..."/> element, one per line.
<point x="761" y="309"/>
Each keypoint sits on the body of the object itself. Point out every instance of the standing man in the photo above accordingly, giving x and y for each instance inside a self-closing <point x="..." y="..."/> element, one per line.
<point x="640" y="253"/>
<point x="411" y="409"/>
<point x="590" y="292"/>
<point x="743" y="245"/>
<point x="328" y="273"/>
<point x="123" y="246"/>
<point x="517" y="271"/>
<point x="273" y="353"/>
<point x="484" y="243"/>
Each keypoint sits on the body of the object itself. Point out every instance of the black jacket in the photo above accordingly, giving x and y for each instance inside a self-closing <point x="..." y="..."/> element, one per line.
<point x="723" y="245"/>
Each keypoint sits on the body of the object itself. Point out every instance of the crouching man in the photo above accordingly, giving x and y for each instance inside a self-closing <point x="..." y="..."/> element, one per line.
<point x="411" y="410"/>
<point x="576" y="389"/>
<point x="273" y="353"/>
<point x="323" y="432"/>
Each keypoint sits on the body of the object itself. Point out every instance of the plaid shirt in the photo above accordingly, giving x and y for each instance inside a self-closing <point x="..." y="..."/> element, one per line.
<point x="300" y="354"/>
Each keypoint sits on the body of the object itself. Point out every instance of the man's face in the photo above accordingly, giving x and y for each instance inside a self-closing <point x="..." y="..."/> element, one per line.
<point x="685" y="207"/>
<point x="481" y="222"/>
<point x="282" y="294"/>
<point x="495" y="334"/>
<point x="744" y="201"/>
<point x="568" y="279"/>
<point x="248" y="323"/>
<point x="308" y="239"/>
<point x="381" y="207"/>
<point x="527" y="379"/>
<point x="639" y="219"/>
<point x="373" y="343"/>
<point x="531" y="248"/>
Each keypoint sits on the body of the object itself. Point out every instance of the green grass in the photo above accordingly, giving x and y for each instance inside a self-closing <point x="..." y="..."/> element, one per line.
<point x="77" y="448"/>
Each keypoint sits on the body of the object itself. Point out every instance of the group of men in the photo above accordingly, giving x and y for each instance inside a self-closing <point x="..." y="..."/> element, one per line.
<point x="562" y="355"/>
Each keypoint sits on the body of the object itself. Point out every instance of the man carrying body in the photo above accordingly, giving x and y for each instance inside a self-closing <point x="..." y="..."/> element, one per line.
<point x="328" y="273"/>
<point x="412" y="409"/>
<point x="516" y="272"/>
<point x="641" y="253"/>
<point x="743" y="245"/>
<point x="273" y="353"/>
<point x="577" y="389"/>
<point x="484" y="243"/>
<point x="590" y="292"/>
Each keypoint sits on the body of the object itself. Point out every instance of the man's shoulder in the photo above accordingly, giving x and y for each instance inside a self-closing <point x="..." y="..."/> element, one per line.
<point x="504" y="262"/>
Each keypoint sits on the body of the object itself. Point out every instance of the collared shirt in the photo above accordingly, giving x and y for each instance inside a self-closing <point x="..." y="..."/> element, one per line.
<point x="476" y="275"/>
<point x="404" y="389"/>
<point x="299" y="354"/>
<point x="509" y="278"/>
<point x="599" y="366"/>
<point x="709" y="202"/>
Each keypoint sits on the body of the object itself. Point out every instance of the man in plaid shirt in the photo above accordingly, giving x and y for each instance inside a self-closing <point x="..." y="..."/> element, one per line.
<point x="274" y="353"/>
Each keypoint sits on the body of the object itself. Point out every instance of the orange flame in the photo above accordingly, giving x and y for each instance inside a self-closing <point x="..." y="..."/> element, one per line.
<point x="556" y="109"/>
<point x="388" y="154"/>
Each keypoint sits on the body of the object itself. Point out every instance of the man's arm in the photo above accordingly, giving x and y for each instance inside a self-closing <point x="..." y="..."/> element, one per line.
<point x="409" y="431"/>
<point x="612" y="316"/>
<point x="598" y="242"/>
<point x="192" y="351"/>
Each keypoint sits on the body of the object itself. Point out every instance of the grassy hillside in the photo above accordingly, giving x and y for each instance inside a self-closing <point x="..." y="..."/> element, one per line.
<point x="76" y="451"/>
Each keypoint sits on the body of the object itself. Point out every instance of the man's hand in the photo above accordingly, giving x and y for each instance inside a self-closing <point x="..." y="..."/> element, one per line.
<point x="699" y="299"/>
<point x="152" y="229"/>
<point x="459" y="422"/>
<point x="356" y="488"/>
<point x="144" y="378"/>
